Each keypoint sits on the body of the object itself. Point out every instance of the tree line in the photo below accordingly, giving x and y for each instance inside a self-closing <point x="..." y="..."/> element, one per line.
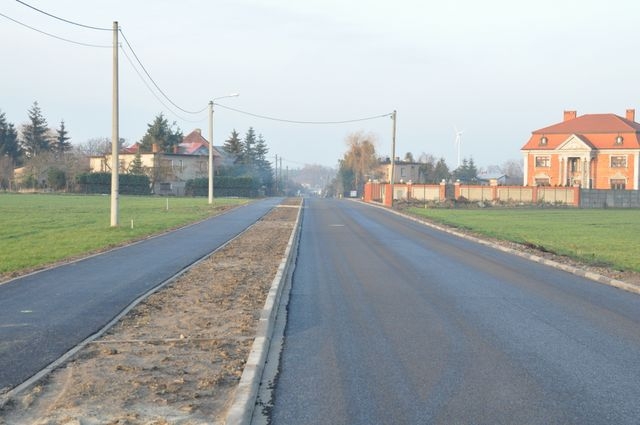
<point x="37" y="138"/>
<point x="49" y="160"/>
<point x="36" y="144"/>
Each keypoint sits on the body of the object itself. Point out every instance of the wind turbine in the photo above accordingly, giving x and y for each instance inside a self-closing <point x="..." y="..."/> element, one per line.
<point x="458" y="141"/>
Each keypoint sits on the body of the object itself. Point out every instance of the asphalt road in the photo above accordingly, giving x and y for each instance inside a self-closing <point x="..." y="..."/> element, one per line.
<point x="391" y="322"/>
<point x="44" y="315"/>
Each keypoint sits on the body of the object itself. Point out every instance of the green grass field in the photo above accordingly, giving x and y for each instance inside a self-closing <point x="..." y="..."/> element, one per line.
<point x="42" y="229"/>
<point x="606" y="237"/>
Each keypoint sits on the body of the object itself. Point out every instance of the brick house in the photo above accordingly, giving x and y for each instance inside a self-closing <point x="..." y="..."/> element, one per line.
<point x="597" y="151"/>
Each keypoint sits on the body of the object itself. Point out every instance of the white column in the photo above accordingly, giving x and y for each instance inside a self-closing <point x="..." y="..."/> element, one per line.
<point x="585" y="173"/>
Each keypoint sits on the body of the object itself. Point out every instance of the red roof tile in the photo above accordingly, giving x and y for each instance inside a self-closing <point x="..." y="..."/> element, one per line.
<point x="592" y="123"/>
<point x="193" y="142"/>
<point x="597" y="130"/>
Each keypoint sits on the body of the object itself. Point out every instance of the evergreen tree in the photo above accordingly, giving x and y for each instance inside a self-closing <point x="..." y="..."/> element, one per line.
<point x="136" y="166"/>
<point x="9" y="145"/>
<point x="61" y="143"/>
<point x="159" y="132"/>
<point x="467" y="172"/>
<point x="260" y="151"/>
<point x="249" y="153"/>
<point x="265" y="172"/>
<point x="441" y="171"/>
<point x="35" y="134"/>
<point x="234" y="146"/>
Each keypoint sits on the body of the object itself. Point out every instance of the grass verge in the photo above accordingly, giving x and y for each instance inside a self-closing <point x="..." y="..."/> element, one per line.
<point x="599" y="237"/>
<point x="42" y="229"/>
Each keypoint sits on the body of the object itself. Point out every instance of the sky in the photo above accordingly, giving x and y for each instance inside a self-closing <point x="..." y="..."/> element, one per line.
<point x="495" y="69"/>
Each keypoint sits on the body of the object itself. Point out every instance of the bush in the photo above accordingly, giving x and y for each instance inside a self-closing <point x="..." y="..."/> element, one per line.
<point x="128" y="184"/>
<point x="56" y="178"/>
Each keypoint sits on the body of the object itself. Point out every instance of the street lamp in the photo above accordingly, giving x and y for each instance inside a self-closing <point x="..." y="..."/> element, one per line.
<point x="211" y="143"/>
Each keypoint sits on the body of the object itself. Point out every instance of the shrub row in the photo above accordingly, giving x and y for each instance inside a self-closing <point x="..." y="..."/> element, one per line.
<point x="128" y="184"/>
<point x="245" y="187"/>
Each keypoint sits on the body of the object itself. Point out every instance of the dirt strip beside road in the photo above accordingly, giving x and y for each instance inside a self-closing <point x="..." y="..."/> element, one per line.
<point x="177" y="357"/>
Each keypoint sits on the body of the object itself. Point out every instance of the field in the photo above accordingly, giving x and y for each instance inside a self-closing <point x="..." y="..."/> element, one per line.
<point x="605" y="237"/>
<point x="43" y="229"/>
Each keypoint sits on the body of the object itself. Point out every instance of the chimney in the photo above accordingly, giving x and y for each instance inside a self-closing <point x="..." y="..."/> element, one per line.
<point x="155" y="148"/>
<point x="199" y="131"/>
<point x="569" y="115"/>
<point x="176" y="149"/>
<point x="631" y="115"/>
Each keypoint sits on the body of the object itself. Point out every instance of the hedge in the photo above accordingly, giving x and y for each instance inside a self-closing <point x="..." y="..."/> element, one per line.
<point x="128" y="184"/>
<point x="245" y="187"/>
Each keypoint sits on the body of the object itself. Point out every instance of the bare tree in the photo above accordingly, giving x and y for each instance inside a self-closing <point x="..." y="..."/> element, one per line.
<point x="360" y="158"/>
<point x="513" y="171"/>
<point x="98" y="146"/>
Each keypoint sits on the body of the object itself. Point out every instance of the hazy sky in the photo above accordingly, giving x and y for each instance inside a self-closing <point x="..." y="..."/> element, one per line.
<point x="495" y="69"/>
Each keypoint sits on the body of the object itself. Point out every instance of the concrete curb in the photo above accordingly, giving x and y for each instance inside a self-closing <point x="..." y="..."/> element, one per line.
<point x="244" y="402"/>
<point x="570" y="269"/>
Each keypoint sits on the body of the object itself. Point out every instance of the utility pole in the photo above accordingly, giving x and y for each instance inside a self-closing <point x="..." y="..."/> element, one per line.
<point x="281" y="179"/>
<point x="211" y="152"/>
<point x="115" y="136"/>
<point x="393" y="155"/>
<point x="276" y="175"/>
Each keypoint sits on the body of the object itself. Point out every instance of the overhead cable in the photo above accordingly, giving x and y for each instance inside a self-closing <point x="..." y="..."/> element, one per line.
<point x="52" y="35"/>
<point x="303" y="122"/>
<point x="154" y="83"/>
<point x="62" y="19"/>
<point x="153" y="92"/>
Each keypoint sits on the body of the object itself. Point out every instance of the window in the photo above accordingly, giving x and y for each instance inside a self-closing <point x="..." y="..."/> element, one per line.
<point x="619" y="161"/>
<point x="619" y="140"/>
<point x="543" y="141"/>
<point x="618" y="184"/>
<point x="543" y="162"/>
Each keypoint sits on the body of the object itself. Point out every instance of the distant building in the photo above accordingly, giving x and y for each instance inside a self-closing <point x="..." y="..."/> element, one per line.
<point x="598" y="151"/>
<point x="404" y="171"/>
<point x="168" y="172"/>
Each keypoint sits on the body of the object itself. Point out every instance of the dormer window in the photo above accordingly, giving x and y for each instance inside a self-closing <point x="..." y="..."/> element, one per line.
<point x="543" y="141"/>
<point x="619" y="140"/>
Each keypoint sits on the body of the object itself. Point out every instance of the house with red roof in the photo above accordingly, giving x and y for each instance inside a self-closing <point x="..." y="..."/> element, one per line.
<point x="168" y="171"/>
<point x="593" y="151"/>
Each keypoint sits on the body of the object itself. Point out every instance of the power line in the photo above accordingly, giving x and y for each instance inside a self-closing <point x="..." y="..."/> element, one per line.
<point x="52" y="35"/>
<point x="303" y="122"/>
<point x="153" y="92"/>
<point x="154" y="83"/>
<point x="62" y="19"/>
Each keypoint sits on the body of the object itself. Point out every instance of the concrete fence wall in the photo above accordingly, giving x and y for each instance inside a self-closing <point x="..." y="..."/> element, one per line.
<point x="379" y="192"/>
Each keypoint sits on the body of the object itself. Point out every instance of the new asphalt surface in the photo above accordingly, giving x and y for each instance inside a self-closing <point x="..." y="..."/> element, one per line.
<point x="45" y="314"/>
<point x="392" y="322"/>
